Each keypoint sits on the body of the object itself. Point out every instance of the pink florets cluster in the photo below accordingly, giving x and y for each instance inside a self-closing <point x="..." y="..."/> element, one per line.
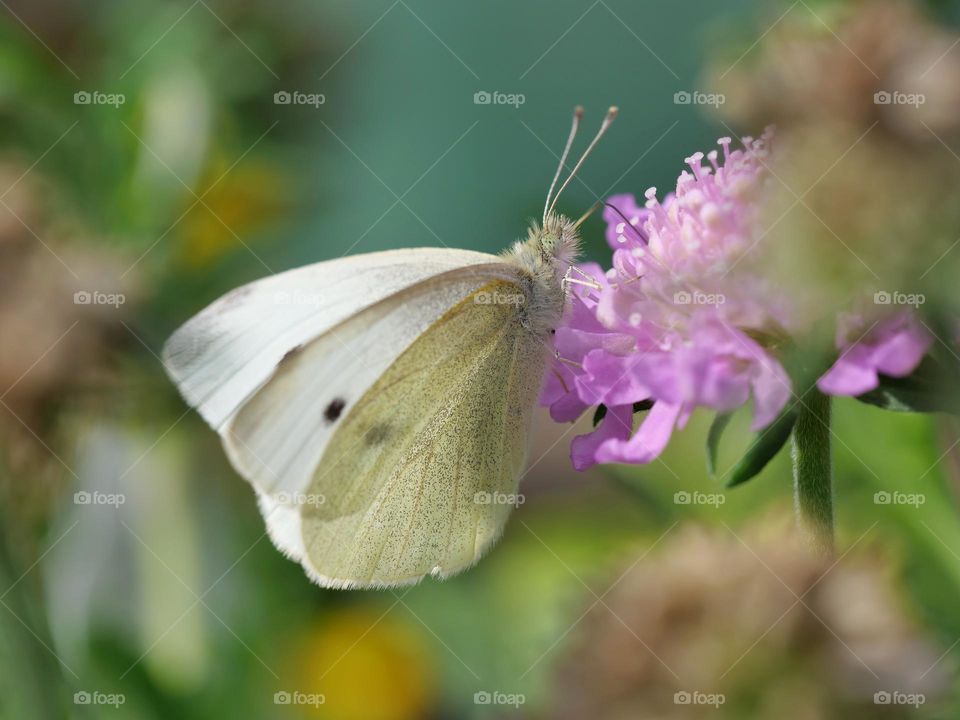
<point x="678" y="320"/>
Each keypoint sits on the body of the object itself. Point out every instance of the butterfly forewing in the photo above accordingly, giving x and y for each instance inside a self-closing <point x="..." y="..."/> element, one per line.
<point x="222" y="355"/>
<point x="278" y="437"/>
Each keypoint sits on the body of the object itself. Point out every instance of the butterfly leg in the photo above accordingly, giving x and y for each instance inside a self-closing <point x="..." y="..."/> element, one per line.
<point x="565" y="361"/>
<point x="590" y="281"/>
<point x="556" y="356"/>
<point x="589" y="278"/>
<point x="568" y="279"/>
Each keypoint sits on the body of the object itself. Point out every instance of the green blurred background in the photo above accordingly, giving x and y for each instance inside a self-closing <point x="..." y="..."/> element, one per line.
<point x="171" y="597"/>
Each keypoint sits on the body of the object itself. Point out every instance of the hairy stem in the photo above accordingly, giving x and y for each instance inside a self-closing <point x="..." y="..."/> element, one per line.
<point x="813" y="472"/>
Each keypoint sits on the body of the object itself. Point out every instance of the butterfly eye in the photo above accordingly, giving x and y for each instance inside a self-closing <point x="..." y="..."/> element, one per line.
<point x="334" y="409"/>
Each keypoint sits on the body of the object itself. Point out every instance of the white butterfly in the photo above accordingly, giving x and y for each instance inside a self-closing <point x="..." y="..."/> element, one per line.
<point x="380" y="404"/>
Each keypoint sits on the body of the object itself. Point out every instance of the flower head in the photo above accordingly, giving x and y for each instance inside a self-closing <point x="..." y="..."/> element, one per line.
<point x="685" y="318"/>
<point x="893" y="346"/>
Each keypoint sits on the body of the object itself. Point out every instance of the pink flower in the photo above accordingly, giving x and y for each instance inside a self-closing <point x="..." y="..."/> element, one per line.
<point x="617" y="220"/>
<point x="681" y="321"/>
<point x="893" y="346"/>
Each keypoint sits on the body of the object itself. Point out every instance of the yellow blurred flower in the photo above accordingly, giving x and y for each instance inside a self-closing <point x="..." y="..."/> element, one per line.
<point x="367" y="665"/>
<point x="236" y="203"/>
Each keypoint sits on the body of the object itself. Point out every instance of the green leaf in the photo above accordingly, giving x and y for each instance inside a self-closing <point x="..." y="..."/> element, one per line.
<point x="763" y="449"/>
<point x="926" y="390"/>
<point x="717" y="427"/>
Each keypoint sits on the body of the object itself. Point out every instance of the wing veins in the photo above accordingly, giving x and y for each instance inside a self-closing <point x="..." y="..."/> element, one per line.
<point x="416" y="502"/>
<point x="393" y="482"/>
<point x="370" y="516"/>
<point x="456" y="494"/>
<point x="503" y="432"/>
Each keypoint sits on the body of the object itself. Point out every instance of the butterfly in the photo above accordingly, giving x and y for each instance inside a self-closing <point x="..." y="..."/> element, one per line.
<point x="380" y="404"/>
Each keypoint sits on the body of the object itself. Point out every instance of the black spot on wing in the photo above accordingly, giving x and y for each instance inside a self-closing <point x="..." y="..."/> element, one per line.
<point x="334" y="410"/>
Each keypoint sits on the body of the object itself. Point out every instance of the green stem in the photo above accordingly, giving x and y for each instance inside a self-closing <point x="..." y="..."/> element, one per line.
<point x="813" y="472"/>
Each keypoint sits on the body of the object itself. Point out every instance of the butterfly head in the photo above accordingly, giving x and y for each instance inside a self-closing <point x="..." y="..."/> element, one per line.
<point x="557" y="240"/>
<point x="551" y="247"/>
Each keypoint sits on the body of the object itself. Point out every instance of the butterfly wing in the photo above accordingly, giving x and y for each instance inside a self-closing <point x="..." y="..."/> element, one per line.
<point x="418" y="474"/>
<point x="277" y="440"/>
<point x="222" y="355"/>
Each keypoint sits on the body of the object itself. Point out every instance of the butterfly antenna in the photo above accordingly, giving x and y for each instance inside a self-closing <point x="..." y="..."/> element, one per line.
<point x="577" y="115"/>
<point x="604" y="126"/>
<point x="583" y="218"/>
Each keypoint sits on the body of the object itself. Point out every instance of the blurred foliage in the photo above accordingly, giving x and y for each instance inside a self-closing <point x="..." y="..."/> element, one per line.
<point x="198" y="182"/>
<point x="835" y="635"/>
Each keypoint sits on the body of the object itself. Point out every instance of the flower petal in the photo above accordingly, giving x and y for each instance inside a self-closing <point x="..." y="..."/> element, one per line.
<point x="617" y="424"/>
<point x="648" y="442"/>
<point x="610" y="380"/>
<point x="894" y="347"/>
<point x="852" y="374"/>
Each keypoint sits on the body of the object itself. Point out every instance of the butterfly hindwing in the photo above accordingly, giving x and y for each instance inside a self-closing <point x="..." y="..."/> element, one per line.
<point x="421" y="471"/>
